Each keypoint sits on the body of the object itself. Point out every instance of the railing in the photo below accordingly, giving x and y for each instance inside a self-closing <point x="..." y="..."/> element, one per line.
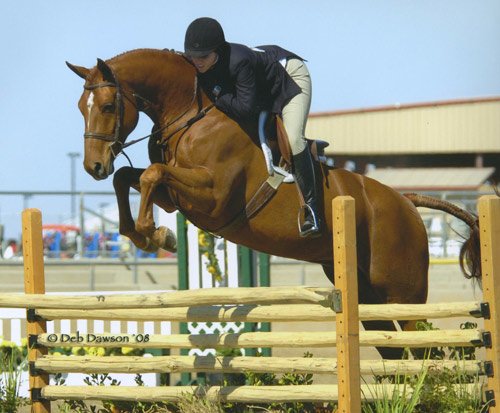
<point x="444" y="230"/>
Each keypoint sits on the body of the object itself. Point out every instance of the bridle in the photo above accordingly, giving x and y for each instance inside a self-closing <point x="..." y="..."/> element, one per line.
<point x="115" y="144"/>
<point x="114" y="139"/>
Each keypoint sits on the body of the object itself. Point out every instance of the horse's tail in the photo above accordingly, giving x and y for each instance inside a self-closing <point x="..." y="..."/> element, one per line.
<point x="470" y="254"/>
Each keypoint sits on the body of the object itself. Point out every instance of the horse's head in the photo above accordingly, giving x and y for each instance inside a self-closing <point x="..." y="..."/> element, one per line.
<point x="110" y="115"/>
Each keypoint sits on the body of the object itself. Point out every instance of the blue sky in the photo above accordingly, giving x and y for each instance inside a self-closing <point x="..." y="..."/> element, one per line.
<point x="360" y="53"/>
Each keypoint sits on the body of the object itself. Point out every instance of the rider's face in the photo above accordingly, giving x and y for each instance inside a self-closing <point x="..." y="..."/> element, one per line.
<point x="204" y="63"/>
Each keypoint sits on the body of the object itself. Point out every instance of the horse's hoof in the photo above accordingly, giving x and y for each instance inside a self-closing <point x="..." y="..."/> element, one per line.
<point x="165" y="239"/>
<point x="150" y="246"/>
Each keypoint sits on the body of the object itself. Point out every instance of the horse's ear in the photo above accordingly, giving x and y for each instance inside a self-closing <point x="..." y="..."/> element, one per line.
<point x="79" y="70"/>
<point x="106" y="71"/>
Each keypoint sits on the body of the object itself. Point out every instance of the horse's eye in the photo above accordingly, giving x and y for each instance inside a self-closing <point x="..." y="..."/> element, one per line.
<point x="108" y="108"/>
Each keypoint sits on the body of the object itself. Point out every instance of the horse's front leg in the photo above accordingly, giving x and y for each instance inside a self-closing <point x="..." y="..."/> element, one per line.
<point x="124" y="179"/>
<point x="195" y="186"/>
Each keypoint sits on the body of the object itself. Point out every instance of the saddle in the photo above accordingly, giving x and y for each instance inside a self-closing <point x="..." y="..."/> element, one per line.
<point x="278" y="157"/>
<point x="276" y="147"/>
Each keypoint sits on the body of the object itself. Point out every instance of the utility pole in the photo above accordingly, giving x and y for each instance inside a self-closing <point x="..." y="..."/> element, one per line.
<point x="73" y="156"/>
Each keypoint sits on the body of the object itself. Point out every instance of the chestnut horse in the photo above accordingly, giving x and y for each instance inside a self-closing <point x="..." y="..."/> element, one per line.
<point x="208" y="167"/>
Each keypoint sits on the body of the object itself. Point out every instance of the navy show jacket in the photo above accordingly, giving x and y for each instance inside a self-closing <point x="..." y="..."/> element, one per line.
<point x="251" y="80"/>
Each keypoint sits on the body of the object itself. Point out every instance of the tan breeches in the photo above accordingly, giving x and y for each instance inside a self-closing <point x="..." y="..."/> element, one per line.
<point x="296" y="111"/>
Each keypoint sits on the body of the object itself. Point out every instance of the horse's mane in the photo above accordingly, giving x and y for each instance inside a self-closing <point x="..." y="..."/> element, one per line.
<point x="158" y="53"/>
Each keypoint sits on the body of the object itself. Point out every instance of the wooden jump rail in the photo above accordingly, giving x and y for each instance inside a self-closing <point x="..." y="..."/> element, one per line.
<point x="254" y="304"/>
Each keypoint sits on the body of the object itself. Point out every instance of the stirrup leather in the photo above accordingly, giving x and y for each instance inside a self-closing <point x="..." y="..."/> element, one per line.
<point x="268" y="156"/>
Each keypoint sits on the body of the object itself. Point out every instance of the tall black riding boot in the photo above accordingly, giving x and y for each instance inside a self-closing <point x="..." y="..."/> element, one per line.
<point x="303" y="172"/>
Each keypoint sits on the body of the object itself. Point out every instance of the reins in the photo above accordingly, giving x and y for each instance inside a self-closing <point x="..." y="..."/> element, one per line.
<point x="114" y="139"/>
<point x="200" y="115"/>
<point x="260" y="198"/>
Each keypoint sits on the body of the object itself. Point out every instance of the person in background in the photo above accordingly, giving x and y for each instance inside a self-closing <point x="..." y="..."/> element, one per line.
<point x="248" y="80"/>
<point x="11" y="249"/>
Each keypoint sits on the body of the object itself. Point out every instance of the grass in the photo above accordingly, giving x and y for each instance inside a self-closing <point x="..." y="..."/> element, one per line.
<point x="430" y="391"/>
<point x="10" y="380"/>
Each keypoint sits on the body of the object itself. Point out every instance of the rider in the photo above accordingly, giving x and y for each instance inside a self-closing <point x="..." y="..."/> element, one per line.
<point x="249" y="80"/>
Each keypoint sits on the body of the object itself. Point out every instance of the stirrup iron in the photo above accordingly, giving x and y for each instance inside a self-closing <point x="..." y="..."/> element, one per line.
<point x="314" y="228"/>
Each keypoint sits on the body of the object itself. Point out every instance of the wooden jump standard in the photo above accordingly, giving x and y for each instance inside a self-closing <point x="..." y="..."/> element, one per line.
<point x="255" y="304"/>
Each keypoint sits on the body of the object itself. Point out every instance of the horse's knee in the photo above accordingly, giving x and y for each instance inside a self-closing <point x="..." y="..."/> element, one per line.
<point x="122" y="173"/>
<point x="126" y="175"/>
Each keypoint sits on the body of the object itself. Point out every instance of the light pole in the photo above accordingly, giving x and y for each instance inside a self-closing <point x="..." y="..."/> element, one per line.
<point x="72" y="157"/>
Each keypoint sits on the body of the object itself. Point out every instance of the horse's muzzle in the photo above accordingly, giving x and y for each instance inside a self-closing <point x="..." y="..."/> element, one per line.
<point x="98" y="171"/>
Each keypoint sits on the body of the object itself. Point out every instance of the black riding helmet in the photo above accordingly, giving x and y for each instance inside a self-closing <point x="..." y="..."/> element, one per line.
<point x="203" y="35"/>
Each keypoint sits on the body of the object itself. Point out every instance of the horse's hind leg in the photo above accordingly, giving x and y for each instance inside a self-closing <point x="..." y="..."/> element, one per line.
<point x="366" y="295"/>
<point x="399" y="260"/>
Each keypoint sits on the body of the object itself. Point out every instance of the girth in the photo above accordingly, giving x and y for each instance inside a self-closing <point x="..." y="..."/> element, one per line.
<point x="259" y="200"/>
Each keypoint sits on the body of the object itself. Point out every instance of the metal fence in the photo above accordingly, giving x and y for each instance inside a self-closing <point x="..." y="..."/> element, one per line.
<point x="101" y="239"/>
<point x="90" y="231"/>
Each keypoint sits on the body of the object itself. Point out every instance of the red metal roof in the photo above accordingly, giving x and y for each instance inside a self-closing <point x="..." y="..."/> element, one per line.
<point x="406" y="106"/>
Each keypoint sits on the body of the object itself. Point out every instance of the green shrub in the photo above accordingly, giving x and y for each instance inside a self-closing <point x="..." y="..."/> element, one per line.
<point x="12" y="363"/>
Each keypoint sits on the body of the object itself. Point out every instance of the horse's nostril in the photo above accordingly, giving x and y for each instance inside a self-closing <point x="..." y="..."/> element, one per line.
<point x="97" y="167"/>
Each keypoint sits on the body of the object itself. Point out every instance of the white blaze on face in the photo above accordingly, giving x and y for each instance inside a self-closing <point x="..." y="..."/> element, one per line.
<point x="90" y="103"/>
